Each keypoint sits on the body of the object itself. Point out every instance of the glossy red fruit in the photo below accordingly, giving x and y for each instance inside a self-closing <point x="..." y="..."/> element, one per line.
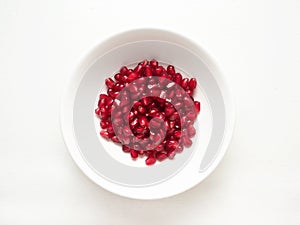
<point x="115" y="139"/>
<point x="148" y="71"/>
<point x="178" y="78"/>
<point x="134" y="154"/>
<point x="191" y="131"/>
<point x="150" y="160"/>
<point x="197" y="106"/>
<point x="138" y="68"/>
<point x="159" y="148"/>
<point x="193" y="83"/>
<point x="153" y="63"/>
<point x="109" y="83"/>
<point x="118" y="77"/>
<point x="160" y="156"/>
<point x="123" y="70"/>
<point x="177" y="134"/>
<point x="171" y="154"/>
<point x="104" y="134"/>
<point x="132" y="76"/>
<point x="171" y="70"/>
<point x="186" y="142"/>
<point x="184" y="83"/>
<point x="97" y="111"/>
<point x="143" y="121"/>
<point x="125" y="148"/>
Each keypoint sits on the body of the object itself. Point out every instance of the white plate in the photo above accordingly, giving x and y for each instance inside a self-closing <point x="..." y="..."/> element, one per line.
<point x="103" y="161"/>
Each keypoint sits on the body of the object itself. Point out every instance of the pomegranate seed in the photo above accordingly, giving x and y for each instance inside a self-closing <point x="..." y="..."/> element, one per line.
<point x="191" y="131"/>
<point x="125" y="148"/>
<point x="197" y="106"/>
<point x="184" y="83"/>
<point x="123" y="70"/>
<point x="104" y="134"/>
<point x="171" y="154"/>
<point x="138" y="68"/>
<point x="169" y="111"/>
<point x="118" y="122"/>
<point x="115" y="139"/>
<point x="159" y="148"/>
<point x="141" y="109"/>
<point x="103" y="124"/>
<point x="153" y="63"/>
<point x="132" y="76"/>
<point x="97" y="111"/>
<point x="189" y="92"/>
<point x="109" y="83"/>
<point x="178" y="78"/>
<point x="193" y="83"/>
<point x="129" y="72"/>
<point x="171" y="145"/>
<point x="186" y="142"/>
<point x="143" y="121"/>
<point x="144" y="63"/>
<point x="118" y="77"/>
<point x="134" y="154"/>
<point x="171" y="70"/>
<point x="147" y="71"/>
<point x="150" y="160"/>
<point x="158" y="70"/>
<point x="177" y="134"/>
<point x="161" y="156"/>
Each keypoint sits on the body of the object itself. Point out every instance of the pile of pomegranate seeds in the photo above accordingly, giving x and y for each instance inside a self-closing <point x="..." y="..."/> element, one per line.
<point x="149" y="110"/>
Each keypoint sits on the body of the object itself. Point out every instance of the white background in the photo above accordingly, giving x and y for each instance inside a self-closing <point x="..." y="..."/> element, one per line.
<point x="257" y="44"/>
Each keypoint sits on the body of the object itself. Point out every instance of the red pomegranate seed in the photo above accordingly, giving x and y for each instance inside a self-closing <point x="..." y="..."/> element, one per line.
<point x="117" y="121"/>
<point x="171" y="154"/>
<point x="178" y="78"/>
<point x="150" y="160"/>
<point x="190" y="92"/>
<point x="158" y="70"/>
<point x="179" y="149"/>
<point x="125" y="148"/>
<point x="171" y="145"/>
<point x="186" y="141"/>
<point x="144" y="63"/>
<point x="103" y="124"/>
<point x="134" y="154"/>
<point x="197" y="106"/>
<point x="192" y="83"/>
<point x="148" y="71"/>
<point x="161" y="156"/>
<point x="177" y="134"/>
<point x="143" y="121"/>
<point x="109" y="83"/>
<point x="118" y="77"/>
<point x="138" y="68"/>
<point x="97" y="111"/>
<point x="115" y="139"/>
<point x="123" y="70"/>
<point x="153" y="63"/>
<point x="104" y="134"/>
<point x="184" y="83"/>
<point x="129" y="72"/>
<point x="132" y="76"/>
<point x="169" y="111"/>
<point x="191" y="131"/>
<point x="171" y="70"/>
<point x="159" y="148"/>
